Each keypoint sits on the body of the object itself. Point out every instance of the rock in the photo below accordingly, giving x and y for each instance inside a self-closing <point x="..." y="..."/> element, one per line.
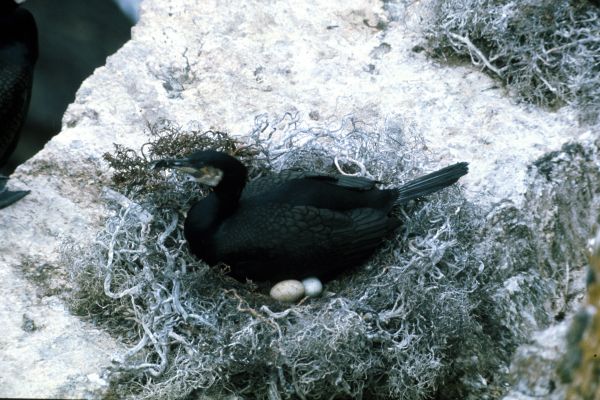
<point x="533" y="174"/>
<point x="312" y="287"/>
<point x="287" y="291"/>
<point x="533" y="370"/>
<point x="580" y="365"/>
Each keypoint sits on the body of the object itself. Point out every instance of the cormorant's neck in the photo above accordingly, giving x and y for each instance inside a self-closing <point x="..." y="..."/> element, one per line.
<point x="7" y="6"/>
<point x="229" y="190"/>
<point x="18" y="28"/>
<point x="204" y="219"/>
<point x="227" y="203"/>
<point x="200" y="224"/>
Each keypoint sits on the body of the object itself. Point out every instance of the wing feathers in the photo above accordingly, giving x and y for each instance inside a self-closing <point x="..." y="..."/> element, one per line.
<point x="307" y="235"/>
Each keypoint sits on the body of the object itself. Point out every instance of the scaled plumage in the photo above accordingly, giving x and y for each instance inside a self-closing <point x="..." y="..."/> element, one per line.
<point x="294" y="224"/>
<point x="18" y="55"/>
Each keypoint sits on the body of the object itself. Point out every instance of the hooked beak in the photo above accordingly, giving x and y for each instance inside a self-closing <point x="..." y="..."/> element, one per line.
<point x="199" y="172"/>
<point x="181" y="164"/>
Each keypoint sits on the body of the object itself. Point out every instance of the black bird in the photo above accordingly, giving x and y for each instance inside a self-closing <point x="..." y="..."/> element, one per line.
<point x="18" y="55"/>
<point x="294" y="224"/>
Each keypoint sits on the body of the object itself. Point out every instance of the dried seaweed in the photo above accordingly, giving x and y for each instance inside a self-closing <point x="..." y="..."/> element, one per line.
<point x="424" y="317"/>
<point x="547" y="52"/>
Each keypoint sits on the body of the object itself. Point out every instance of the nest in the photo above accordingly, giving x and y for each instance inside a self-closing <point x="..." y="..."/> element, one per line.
<point x="423" y="318"/>
<point x="547" y="52"/>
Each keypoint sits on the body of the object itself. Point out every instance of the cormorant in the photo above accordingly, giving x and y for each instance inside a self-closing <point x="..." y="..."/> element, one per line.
<point x="294" y="224"/>
<point x="18" y="54"/>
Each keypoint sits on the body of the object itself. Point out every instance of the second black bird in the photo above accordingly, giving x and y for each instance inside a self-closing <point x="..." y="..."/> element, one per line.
<point x="18" y="55"/>
<point x="294" y="224"/>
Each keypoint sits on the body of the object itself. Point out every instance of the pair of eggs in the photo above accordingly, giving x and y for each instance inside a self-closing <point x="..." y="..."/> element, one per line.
<point x="292" y="290"/>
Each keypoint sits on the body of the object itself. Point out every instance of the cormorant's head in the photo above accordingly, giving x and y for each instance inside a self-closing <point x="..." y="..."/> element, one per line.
<point x="212" y="168"/>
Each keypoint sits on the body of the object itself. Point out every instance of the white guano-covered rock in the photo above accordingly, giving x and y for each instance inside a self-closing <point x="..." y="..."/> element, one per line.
<point x="220" y="65"/>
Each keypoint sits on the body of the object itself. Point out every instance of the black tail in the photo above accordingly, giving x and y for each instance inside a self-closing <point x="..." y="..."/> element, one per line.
<point x="432" y="182"/>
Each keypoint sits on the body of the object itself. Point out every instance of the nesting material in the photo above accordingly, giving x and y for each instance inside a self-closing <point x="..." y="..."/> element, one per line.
<point x="287" y="291"/>
<point x="546" y="51"/>
<point x="407" y="322"/>
<point x="312" y="286"/>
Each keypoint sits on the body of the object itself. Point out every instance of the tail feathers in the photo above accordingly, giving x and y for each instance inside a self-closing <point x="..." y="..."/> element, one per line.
<point x="432" y="182"/>
<point x="7" y="198"/>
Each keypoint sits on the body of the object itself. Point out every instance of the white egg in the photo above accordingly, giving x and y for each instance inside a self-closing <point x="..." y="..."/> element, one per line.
<point x="288" y="291"/>
<point x="312" y="286"/>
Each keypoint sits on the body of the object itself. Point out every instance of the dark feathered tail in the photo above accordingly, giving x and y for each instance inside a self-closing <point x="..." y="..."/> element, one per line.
<point x="432" y="182"/>
<point x="6" y="197"/>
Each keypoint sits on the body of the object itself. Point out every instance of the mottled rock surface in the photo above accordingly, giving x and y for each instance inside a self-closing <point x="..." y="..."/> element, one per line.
<point x="218" y="65"/>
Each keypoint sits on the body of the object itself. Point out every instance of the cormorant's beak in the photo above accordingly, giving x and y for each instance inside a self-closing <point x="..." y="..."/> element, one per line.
<point x="182" y="164"/>
<point x="200" y="172"/>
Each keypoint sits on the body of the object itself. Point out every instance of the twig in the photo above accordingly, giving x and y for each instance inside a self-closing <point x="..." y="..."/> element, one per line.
<point x="479" y="53"/>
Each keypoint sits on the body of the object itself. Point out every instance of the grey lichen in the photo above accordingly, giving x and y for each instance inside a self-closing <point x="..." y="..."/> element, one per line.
<point x="548" y="52"/>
